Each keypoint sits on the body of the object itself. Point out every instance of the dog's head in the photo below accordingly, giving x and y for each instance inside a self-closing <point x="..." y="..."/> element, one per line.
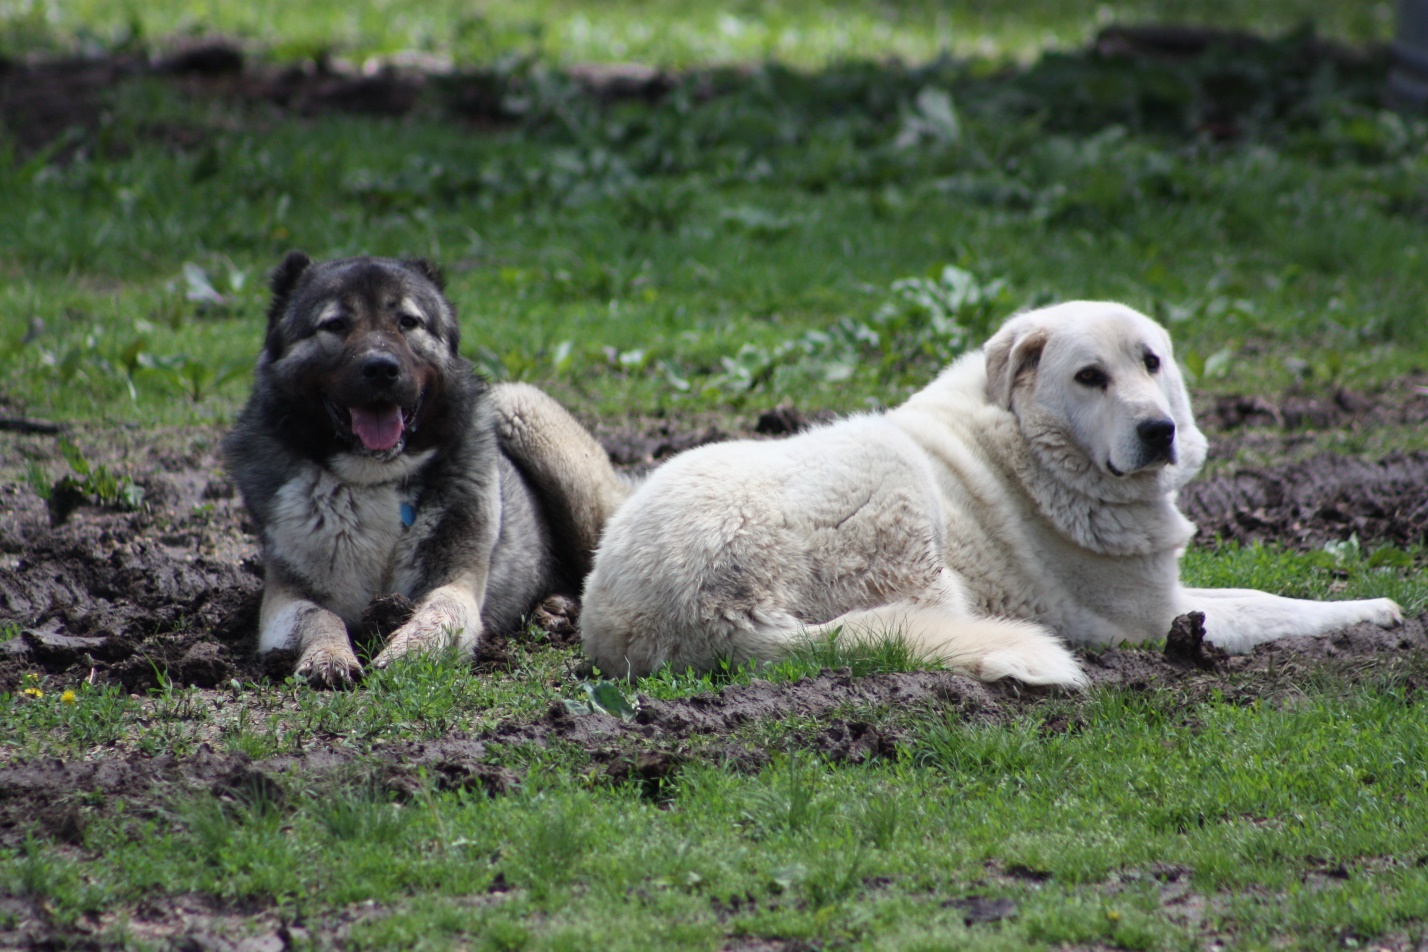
<point x="1096" y="390"/>
<point x="360" y="350"/>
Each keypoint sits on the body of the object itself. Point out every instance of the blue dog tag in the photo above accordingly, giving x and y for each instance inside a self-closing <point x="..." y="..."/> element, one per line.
<point x="408" y="514"/>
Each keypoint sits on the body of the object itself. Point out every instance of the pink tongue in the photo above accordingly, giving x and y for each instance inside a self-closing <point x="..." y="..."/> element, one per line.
<point x="378" y="429"/>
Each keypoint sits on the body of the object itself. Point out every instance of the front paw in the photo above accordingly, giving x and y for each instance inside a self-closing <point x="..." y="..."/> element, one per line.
<point x="399" y="645"/>
<point x="429" y="630"/>
<point x="559" y="617"/>
<point x="1384" y="612"/>
<point x="329" y="666"/>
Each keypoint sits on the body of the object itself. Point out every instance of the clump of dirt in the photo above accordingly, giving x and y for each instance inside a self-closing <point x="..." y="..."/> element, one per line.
<point x="191" y="921"/>
<point x="42" y="795"/>
<point x="787" y="419"/>
<point x="60" y="102"/>
<point x="637" y="444"/>
<point x="1186" y="643"/>
<point x="1405" y="403"/>
<point x="385" y="615"/>
<point x="126" y="596"/>
<point x="1324" y="497"/>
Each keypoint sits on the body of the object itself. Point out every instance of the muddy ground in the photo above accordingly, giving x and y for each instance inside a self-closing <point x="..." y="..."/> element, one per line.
<point x="119" y="596"/>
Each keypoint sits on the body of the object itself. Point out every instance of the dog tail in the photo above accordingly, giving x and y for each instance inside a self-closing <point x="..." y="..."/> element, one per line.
<point x="570" y="471"/>
<point x="985" y="648"/>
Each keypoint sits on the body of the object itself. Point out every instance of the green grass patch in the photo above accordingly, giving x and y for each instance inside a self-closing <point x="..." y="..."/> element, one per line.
<point x="666" y="32"/>
<point x="1087" y="833"/>
<point x="829" y="237"/>
<point x="426" y="696"/>
<point x="1291" y="821"/>
<point x="887" y="655"/>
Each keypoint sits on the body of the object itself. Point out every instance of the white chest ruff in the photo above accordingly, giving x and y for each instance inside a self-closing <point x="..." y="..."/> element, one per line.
<point x="344" y="540"/>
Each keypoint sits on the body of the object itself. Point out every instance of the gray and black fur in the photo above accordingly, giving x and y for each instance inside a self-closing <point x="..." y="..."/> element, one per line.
<point x="372" y="460"/>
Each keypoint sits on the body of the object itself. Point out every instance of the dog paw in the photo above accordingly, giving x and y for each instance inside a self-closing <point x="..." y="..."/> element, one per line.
<point x="403" y="643"/>
<point x="329" y="667"/>
<point x="558" y="616"/>
<point x="1384" y="612"/>
<point x="429" y="630"/>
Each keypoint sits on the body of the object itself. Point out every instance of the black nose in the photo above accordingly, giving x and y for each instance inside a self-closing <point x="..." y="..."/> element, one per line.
<point x="1156" y="434"/>
<point x="381" y="368"/>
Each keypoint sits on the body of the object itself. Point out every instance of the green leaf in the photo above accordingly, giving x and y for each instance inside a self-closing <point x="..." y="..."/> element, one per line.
<point x="563" y="356"/>
<point x="1390" y="557"/>
<point x="1218" y="363"/>
<point x="788" y="876"/>
<point x="607" y="698"/>
<point x="199" y="288"/>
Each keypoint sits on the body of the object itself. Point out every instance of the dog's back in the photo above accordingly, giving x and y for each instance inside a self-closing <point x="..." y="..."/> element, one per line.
<point x="741" y="551"/>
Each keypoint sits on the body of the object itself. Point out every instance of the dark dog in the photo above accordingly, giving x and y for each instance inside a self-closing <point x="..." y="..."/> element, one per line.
<point x="374" y="461"/>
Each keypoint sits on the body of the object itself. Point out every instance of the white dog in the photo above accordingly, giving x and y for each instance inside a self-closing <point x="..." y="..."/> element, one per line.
<point x="1027" y="493"/>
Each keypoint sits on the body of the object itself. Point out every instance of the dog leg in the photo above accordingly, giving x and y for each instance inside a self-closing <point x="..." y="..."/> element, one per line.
<point x="569" y="470"/>
<point x="450" y="614"/>
<point x="1237" y="619"/>
<point x="289" y="621"/>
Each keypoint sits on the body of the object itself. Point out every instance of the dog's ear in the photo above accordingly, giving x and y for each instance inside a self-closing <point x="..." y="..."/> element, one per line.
<point x="452" y="332"/>
<point x="427" y="270"/>
<point x="284" y="278"/>
<point x="1011" y="352"/>
<point x="432" y="273"/>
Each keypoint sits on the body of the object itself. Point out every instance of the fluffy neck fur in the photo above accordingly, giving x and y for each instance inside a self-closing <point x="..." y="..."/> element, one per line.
<point x="1134" y="515"/>
<point x="1140" y="521"/>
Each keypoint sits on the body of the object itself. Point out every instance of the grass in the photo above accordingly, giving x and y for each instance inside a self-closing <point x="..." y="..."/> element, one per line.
<point x="737" y="250"/>
<point x="1148" y="823"/>
<point x="1340" y="570"/>
<point x="826" y="234"/>
<point x="1085" y="832"/>
<point x="664" y="32"/>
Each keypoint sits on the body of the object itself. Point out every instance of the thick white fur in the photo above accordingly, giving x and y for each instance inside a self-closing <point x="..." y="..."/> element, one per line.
<point x="1008" y="503"/>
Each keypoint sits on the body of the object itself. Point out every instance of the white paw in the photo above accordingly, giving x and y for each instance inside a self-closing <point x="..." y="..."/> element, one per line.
<point x="435" y="625"/>
<point x="1383" y="612"/>
<point x="329" y="666"/>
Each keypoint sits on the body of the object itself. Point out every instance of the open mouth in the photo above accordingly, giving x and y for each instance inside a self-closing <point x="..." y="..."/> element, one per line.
<point x="379" y="427"/>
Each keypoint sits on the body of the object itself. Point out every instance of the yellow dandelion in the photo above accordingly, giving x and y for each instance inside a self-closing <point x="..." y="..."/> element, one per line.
<point x="67" y="697"/>
<point x="1113" y="915"/>
<point x="33" y="692"/>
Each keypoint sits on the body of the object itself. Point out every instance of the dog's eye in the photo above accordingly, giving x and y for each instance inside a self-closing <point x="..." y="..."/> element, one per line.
<point x="334" y="325"/>
<point x="1091" y="377"/>
<point x="1152" y="363"/>
<point x="409" y="322"/>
